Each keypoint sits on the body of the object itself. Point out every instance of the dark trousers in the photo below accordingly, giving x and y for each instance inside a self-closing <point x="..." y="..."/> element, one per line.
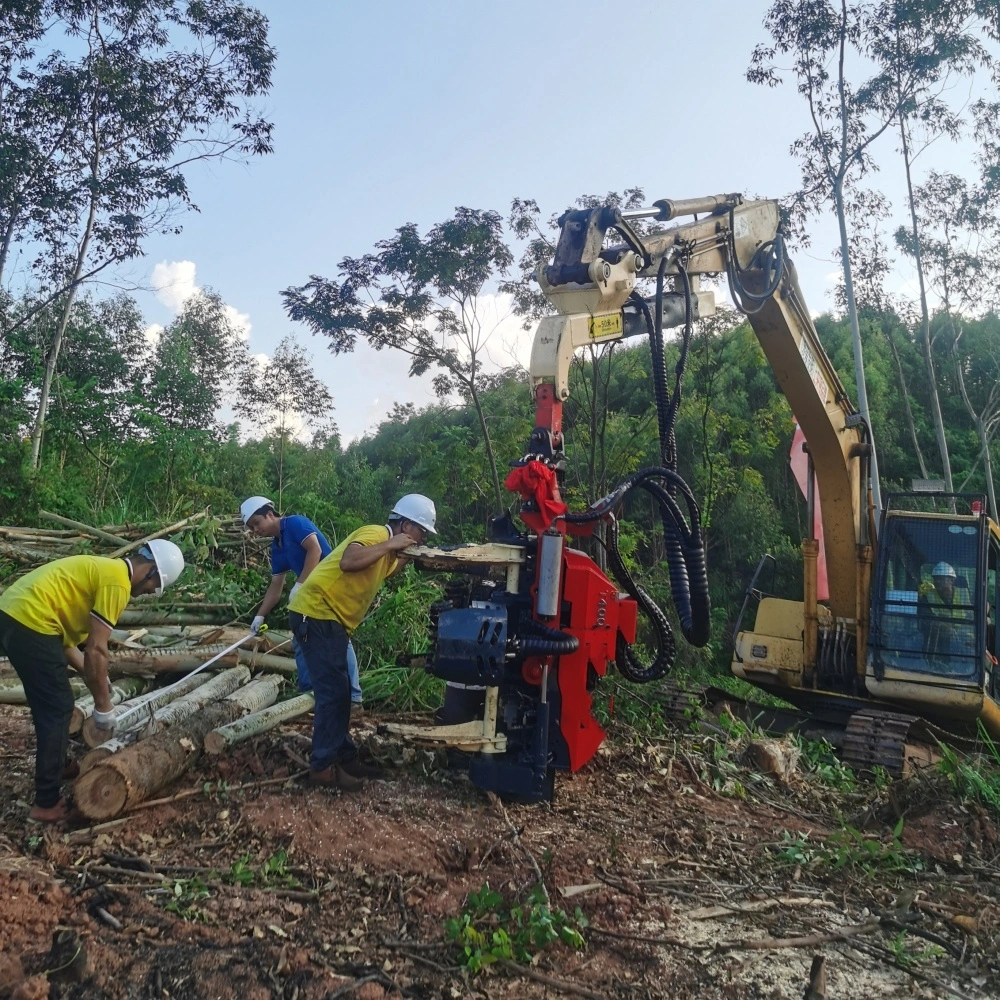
<point x="324" y="646"/>
<point x="41" y="664"/>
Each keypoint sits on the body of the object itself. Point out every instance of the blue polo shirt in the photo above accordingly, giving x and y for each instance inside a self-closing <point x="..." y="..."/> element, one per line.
<point x="286" y="550"/>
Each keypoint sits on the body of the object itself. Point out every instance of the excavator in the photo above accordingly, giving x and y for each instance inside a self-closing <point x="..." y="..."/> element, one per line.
<point x="902" y="652"/>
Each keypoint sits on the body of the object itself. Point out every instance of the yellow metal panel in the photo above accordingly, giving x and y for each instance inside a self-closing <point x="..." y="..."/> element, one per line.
<point x="777" y="617"/>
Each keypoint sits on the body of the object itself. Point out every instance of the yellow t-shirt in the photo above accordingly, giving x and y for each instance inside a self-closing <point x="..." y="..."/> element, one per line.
<point x="59" y="597"/>
<point x="331" y="594"/>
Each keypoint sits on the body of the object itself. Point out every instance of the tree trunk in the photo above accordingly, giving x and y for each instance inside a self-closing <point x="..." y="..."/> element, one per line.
<point x="121" y="690"/>
<point x="219" y="740"/>
<point x="139" y="710"/>
<point x="910" y="423"/>
<point x="977" y="420"/>
<point x="139" y="772"/>
<point x="859" y="361"/>
<point x="169" y="715"/>
<point x="168" y="660"/>
<point x="12" y="691"/>
<point x="925" y="320"/>
<point x="488" y="444"/>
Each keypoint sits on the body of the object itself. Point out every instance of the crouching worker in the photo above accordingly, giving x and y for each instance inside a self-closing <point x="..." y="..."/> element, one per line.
<point x="324" y="612"/>
<point x="297" y="546"/>
<point x="44" y="617"/>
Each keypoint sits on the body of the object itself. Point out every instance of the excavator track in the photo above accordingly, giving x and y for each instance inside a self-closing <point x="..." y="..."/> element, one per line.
<point x="874" y="738"/>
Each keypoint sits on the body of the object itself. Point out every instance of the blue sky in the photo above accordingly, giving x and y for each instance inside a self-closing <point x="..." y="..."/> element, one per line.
<point x="398" y="112"/>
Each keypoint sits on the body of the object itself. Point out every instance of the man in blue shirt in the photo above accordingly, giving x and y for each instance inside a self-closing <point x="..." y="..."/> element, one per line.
<point x="297" y="547"/>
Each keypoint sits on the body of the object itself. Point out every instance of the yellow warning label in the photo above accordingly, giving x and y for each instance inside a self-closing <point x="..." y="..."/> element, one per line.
<point x="608" y="325"/>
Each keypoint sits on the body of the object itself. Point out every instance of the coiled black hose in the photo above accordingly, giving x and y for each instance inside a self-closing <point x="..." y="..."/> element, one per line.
<point x="547" y="641"/>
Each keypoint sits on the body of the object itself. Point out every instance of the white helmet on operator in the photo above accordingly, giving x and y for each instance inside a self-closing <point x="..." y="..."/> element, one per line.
<point x="250" y="507"/>
<point x="417" y="508"/>
<point x="168" y="559"/>
<point x="944" y="569"/>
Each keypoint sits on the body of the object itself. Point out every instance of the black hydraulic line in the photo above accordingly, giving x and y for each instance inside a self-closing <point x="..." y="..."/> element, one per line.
<point x="547" y="641"/>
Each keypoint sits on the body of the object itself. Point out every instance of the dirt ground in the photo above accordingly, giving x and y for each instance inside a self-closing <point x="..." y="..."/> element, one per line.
<point x="685" y="887"/>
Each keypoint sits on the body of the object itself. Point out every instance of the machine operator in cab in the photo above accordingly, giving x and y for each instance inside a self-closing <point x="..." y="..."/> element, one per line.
<point x="45" y="616"/>
<point x="324" y="612"/>
<point x="941" y="611"/>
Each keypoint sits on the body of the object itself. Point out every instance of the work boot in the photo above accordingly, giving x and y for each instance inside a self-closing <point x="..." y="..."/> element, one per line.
<point x="356" y="769"/>
<point x="59" y="813"/>
<point x="335" y="776"/>
<point x="357" y="711"/>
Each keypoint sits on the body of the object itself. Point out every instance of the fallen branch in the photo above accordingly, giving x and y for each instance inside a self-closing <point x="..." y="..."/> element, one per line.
<point x="808" y="941"/>
<point x="105" y="536"/>
<point x="562" y="985"/>
<point x="187" y="793"/>
<point x="639" y="939"/>
<point x="498" y="804"/>
<point x="169" y="530"/>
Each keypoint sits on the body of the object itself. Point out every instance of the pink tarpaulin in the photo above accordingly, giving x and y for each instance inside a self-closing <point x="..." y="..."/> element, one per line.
<point x="799" y="462"/>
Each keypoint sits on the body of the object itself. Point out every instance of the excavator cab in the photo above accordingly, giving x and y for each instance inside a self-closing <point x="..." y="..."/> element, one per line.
<point x="932" y="636"/>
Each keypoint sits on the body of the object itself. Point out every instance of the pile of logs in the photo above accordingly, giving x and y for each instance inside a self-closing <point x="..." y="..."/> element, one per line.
<point x="30" y="547"/>
<point x="162" y="730"/>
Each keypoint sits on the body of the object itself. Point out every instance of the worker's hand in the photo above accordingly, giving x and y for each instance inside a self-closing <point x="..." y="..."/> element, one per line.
<point x="294" y="590"/>
<point x="401" y="541"/>
<point x="256" y="624"/>
<point x="105" y="721"/>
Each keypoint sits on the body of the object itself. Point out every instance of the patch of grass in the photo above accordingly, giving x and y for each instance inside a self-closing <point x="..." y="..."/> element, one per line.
<point x="851" y="849"/>
<point x="487" y="931"/>
<point x="974" y="779"/>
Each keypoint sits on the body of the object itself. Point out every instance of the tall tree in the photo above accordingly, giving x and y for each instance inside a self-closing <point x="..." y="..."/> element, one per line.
<point x="282" y="396"/>
<point x="95" y="143"/>
<point x="829" y="43"/>
<point x="921" y="47"/>
<point x="422" y="295"/>
<point x="958" y="238"/>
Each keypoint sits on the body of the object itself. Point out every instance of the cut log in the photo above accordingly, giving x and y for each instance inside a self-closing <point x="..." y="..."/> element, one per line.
<point x="138" y="772"/>
<point x="12" y="691"/>
<point x="105" y="536"/>
<point x="169" y="715"/>
<point x="165" y="617"/>
<point x="138" y="710"/>
<point x="219" y="740"/>
<point x="259" y="693"/>
<point x="170" y="660"/>
<point x="121" y="690"/>
<point x="271" y="661"/>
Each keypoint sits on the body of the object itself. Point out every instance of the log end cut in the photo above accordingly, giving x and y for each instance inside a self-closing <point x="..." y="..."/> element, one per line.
<point x="101" y="793"/>
<point x="93" y="758"/>
<point x="93" y="736"/>
<point x="215" y="742"/>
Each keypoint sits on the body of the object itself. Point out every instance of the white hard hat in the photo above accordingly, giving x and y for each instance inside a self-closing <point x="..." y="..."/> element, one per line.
<point x="944" y="569"/>
<point x="417" y="508"/>
<point x="250" y="507"/>
<point x="169" y="561"/>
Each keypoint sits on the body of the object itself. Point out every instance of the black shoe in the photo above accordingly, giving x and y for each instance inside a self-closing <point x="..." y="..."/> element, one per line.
<point x="358" y="770"/>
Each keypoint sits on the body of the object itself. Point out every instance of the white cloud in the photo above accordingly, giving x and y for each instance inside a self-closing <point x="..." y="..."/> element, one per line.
<point x="240" y="320"/>
<point x="174" y="283"/>
<point x="152" y="333"/>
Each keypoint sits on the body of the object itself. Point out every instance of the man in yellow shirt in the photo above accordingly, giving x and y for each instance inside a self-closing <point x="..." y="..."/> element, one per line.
<point x="44" y="617"/>
<point x="327" y="608"/>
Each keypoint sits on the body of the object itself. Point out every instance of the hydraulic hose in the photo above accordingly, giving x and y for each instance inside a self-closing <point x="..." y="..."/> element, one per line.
<point x="547" y="641"/>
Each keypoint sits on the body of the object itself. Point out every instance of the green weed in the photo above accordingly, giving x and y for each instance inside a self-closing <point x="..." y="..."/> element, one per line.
<point x="487" y="932"/>
<point x="906" y="955"/>
<point x="820" y="760"/>
<point x="186" y="893"/>
<point x="851" y="849"/>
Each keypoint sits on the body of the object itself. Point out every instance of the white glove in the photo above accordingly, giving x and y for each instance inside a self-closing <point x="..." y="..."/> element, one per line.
<point x="105" y="721"/>
<point x="256" y="624"/>
<point x="295" y="587"/>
